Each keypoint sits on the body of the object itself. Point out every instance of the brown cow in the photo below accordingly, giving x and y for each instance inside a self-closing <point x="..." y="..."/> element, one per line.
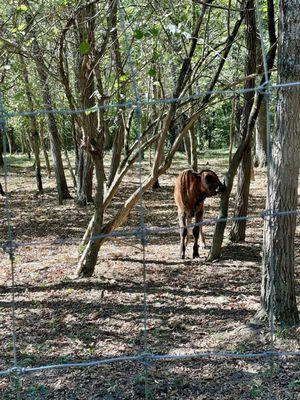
<point x="191" y="189"/>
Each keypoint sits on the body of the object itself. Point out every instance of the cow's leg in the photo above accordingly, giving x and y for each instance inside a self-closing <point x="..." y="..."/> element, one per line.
<point x="189" y="230"/>
<point x="196" y="231"/>
<point x="183" y="233"/>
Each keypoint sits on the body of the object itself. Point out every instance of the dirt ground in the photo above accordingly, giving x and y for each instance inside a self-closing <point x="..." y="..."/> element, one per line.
<point x="193" y="306"/>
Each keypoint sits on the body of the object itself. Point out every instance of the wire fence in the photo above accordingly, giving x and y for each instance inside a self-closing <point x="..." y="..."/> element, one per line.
<point x="142" y="231"/>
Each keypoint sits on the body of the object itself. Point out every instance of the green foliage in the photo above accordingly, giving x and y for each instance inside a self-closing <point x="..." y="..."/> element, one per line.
<point x="294" y="384"/>
<point x="138" y="34"/>
<point x="37" y="392"/>
<point x="256" y="390"/>
<point x="123" y="78"/>
<point x="152" y="72"/>
<point x="84" y="48"/>
<point x="22" y="8"/>
<point x="160" y="35"/>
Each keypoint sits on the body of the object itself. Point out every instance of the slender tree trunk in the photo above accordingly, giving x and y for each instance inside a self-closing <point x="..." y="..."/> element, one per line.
<point x="70" y="166"/>
<point x="46" y="157"/>
<point x="10" y="139"/>
<point x="232" y="129"/>
<point x="84" y="179"/>
<point x="238" y="231"/>
<point x="1" y="150"/>
<point x="34" y="134"/>
<point x="84" y="162"/>
<point x="61" y="183"/>
<point x="193" y="141"/>
<point x="88" y="259"/>
<point x="120" y="119"/>
<point x="260" y="147"/>
<point x="278" y="275"/>
<point x="187" y="148"/>
<point x="260" y="137"/>
<point x="23" y="144"/>
<point x="127" y="133"/>
<point x="93" y="136"/>
<point x="1" y="190"/>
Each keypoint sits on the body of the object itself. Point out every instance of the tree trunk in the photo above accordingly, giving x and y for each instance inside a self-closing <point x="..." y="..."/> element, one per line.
<point x="1" y="150"/>
<point x="61" y="183"/>
<point x="260" y="137"/>
<point x="187" y="148"/>
<point x="238" y="231"/>
<point x="260" y="148"/>
<point x="120" y="119"/>
<point x="70" y="166"/>
<point x="127" y="133"/>
<point x="193" y="141"/>
<point x="10" y="139"/>
<point x="88" y="259"/>
<point x="23" y="144"/>
<point x="278" y="278"/>
<point x="84" y="178"/>
<point x="232" y="130"/>
<point x="34" y="134"/>
<point x="93" y="135"/>
<point x="46" y="157"/>
<point x="1" y="190"/>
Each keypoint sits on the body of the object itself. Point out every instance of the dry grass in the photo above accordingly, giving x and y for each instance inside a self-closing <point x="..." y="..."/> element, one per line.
<point x="192" y="305"/>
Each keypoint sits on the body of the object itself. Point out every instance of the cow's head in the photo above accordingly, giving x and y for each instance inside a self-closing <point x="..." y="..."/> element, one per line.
<point x="211" y="184"/>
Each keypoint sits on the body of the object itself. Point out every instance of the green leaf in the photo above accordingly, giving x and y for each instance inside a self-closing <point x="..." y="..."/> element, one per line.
<point x="84" y="48"/>
<point x="22" y="8"/>
<point x="138" y="34"/>
<point x="152" y="72"/>
<point x="21" y="27"/>
<point x="155" y="55"/>
<point x="154" y="31"/>
<point x="123" y="78"/>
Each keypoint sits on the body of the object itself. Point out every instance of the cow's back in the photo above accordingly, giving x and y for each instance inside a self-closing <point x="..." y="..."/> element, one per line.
<point x="187" y="190"/>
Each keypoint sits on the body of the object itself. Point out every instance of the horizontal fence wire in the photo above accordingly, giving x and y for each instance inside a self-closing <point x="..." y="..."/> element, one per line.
<point x="148" y="358"/>
<point x="144" y="231"/>
<point x="148" y="102"/>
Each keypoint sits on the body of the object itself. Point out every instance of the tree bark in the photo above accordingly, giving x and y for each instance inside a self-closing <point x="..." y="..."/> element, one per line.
<point x="260" y="128"/>
<point x="93" y="139"/>
<point x="1" y="190"/>
<point x="84" y="162"/>
<point x="120" y="118"/>
<point x="238" y="231"/>
<point x="232" y="130"/>
<point x="61" y="183"/>
<point x="46" y="157"/>
<point x="34" y="133"/>
<point x="278" y="277"/>
<point x="10" y="139"/>
<point x="260" y="137"/>
<point x="1" y="150"/>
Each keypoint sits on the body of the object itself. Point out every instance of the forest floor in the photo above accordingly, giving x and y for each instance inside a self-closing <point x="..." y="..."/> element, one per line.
<point x="193" y="305"/>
